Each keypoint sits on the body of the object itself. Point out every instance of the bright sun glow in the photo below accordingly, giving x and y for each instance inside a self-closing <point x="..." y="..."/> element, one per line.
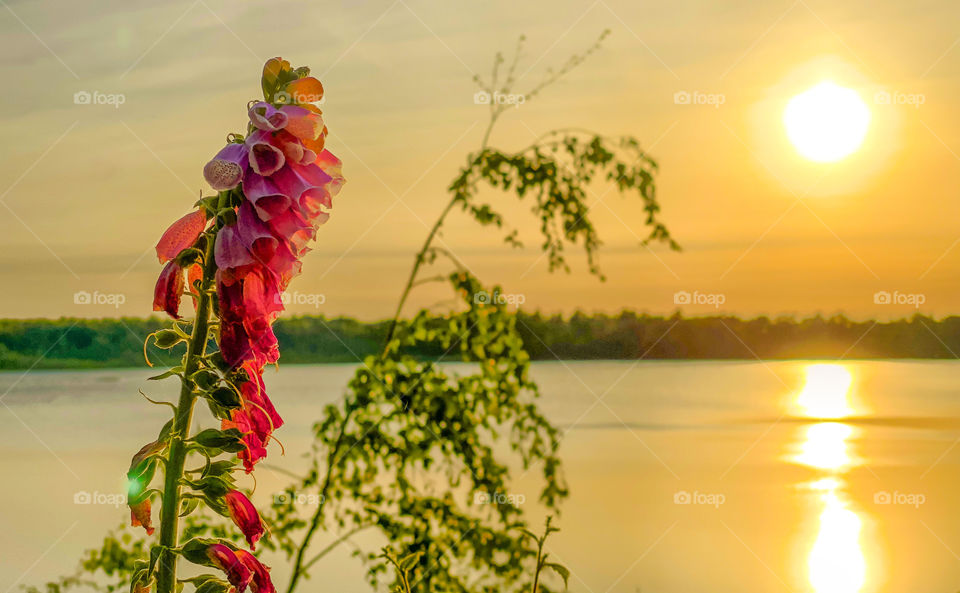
<point x="837" y="563"/>
<point x="827" y="122"/>
<point x="825" y="394"/>
<point x="826" y="446"/>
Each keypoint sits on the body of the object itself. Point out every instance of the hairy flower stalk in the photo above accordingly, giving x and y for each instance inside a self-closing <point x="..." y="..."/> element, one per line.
<point x="169" y="514"/>
<point x="234" y="255"/>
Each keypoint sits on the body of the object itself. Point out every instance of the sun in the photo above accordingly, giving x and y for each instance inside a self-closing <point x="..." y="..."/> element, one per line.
<point x="827" y="122"/>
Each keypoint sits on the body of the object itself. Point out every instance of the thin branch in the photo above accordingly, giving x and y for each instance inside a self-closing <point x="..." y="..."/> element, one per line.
<point x="437" y="278"/>
<point x="334" y="544"/>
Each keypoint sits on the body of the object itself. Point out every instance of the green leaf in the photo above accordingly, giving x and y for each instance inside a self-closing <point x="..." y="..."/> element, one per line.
<point x="220" y="468"/>
<point x="214" y="585"/>
<point x="174" y="371"/>
<point x="166" y="339"/>
<point x="146" y="456"/>
<point x="215" y="487"/>
<point x="199" y="579"/>
<point x="226" y="440"/>
<point x="216" y="504"/>
<point x="155" y="552"/>
<point x="188" y="505"/>
<point x="165" y="431"/>
<point x="209" y="204"/>
<point x="138" y="486"/>
<point x="227" y="217"/>
<point x="188" y="257"/>
<point x="195" y="550"/>
<point x="561" y="570"/>
<point x="217" y="410"/>
<point x="140" y="576"/>
<point x="205" y="379"/>
<point x="216" y="359"/>
<point x="529" y="533"/>
<point x="226" y="397"/>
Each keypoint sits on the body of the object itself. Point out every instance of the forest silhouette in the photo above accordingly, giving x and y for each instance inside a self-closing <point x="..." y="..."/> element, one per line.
<point x="118" y="343"/>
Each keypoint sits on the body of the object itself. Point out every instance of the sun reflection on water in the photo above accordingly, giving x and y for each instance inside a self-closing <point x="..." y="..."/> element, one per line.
<point x="826" y="446"/>
<point x="826" y="393"/>
<point x="836" y="563"/>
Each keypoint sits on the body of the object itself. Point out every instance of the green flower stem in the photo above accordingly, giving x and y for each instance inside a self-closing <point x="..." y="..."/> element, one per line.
<point x="170" y="509"/>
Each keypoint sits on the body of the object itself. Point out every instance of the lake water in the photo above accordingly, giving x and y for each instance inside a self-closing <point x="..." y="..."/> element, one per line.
<point x="685" y="476"/>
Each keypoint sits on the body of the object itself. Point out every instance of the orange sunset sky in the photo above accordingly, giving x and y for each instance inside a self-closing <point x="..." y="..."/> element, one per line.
<point x="86" y="190"/>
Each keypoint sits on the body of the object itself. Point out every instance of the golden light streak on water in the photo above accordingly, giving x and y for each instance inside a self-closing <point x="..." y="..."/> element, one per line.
<point x="836" y="562"/>
<point x="826" y="393"/>
<point x="826" y="446"/>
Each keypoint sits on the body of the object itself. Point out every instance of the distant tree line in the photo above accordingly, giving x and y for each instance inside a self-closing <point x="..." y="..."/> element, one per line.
<point x="630" y="335"/>
<point x="103" y="343"/>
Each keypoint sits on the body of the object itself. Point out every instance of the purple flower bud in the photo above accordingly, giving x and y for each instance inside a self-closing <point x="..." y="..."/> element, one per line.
<point x="267" y="117"/>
